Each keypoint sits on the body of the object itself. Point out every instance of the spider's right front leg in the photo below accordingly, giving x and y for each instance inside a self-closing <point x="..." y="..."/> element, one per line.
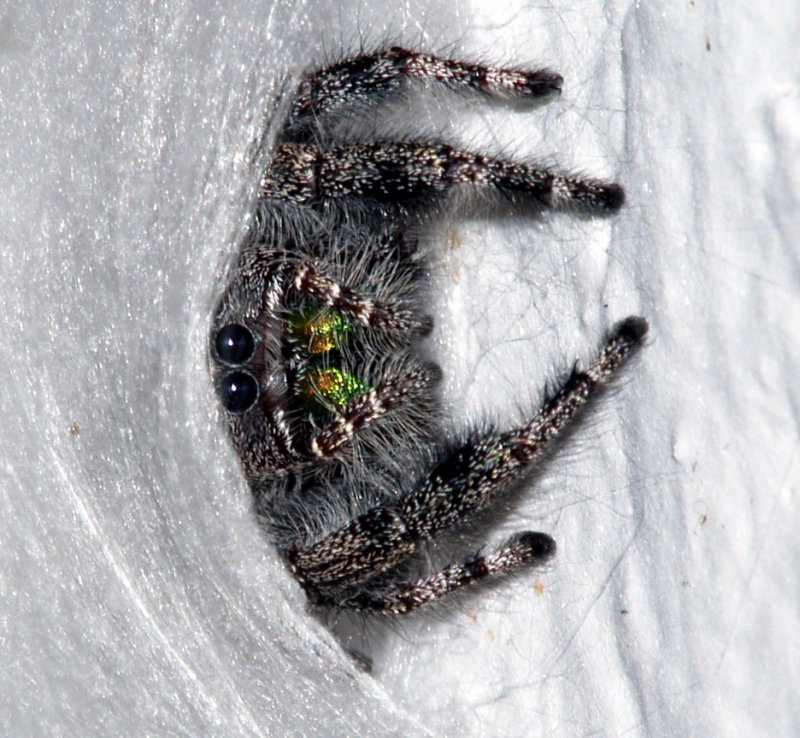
<point x="464" y="482"/>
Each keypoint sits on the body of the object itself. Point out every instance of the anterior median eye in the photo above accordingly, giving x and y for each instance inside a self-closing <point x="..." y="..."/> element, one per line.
<point x="238" y="391"/>
<point x="234" y="344"/>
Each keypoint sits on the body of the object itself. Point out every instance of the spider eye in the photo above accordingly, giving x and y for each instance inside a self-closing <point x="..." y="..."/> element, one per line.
<point x="234" y="344"/>
<point x="238" y="391"/>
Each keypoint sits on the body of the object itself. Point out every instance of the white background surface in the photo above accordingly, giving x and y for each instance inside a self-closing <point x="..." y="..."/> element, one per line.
<point x="137" y="596"/>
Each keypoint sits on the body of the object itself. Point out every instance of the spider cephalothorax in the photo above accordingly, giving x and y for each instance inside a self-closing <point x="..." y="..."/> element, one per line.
<point x="316" y="343"/>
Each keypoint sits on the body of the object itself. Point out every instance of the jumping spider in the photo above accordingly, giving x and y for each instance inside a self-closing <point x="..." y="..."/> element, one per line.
<point x="316" y="342"/>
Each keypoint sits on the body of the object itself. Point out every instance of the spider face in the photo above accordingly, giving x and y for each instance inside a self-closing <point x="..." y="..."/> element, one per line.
<point x="331" y="404"/>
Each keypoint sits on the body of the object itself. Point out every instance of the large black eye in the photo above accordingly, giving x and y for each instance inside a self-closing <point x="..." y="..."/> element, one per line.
<point x="234" y="344"/>
<point x="238" y="391"/>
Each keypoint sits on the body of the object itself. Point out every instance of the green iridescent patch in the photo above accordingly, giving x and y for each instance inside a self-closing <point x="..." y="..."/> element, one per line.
<point x="332" y="385"/>
<point x="319" y="332"/>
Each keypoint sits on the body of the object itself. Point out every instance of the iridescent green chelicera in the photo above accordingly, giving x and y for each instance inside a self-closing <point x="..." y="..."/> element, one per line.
<point x="321" y="336"/>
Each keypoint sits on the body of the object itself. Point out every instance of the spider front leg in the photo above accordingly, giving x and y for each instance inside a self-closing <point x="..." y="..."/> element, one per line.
<point x="400" y="172"/>
<point x="465" y="481"/>
<point x="380" y="74"/>
<point x="469" y="478"/>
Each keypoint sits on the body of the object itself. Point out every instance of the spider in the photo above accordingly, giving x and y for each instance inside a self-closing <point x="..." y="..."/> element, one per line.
<point x="317" y="350"/>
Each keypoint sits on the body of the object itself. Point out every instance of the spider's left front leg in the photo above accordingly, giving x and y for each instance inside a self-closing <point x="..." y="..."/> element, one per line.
<point x="463" y="483"/>
<point x="382" y="73"/>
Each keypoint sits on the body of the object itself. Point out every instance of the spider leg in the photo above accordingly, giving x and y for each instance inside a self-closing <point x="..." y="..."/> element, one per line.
<point x="380" y="74"/>
<point x="464" y="482"/>
<point x="468" y="479"/>
<point x="367" y="312"/>
<point x="524" y="549"/>
<point x="400" y="172"/>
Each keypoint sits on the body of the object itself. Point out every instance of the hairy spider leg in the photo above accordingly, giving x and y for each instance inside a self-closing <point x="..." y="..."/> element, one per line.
<point x="400" y="172"/>
<point x="464" y="482"/>
<point x="524" y="549"/>
<point x="382" y="73"/>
